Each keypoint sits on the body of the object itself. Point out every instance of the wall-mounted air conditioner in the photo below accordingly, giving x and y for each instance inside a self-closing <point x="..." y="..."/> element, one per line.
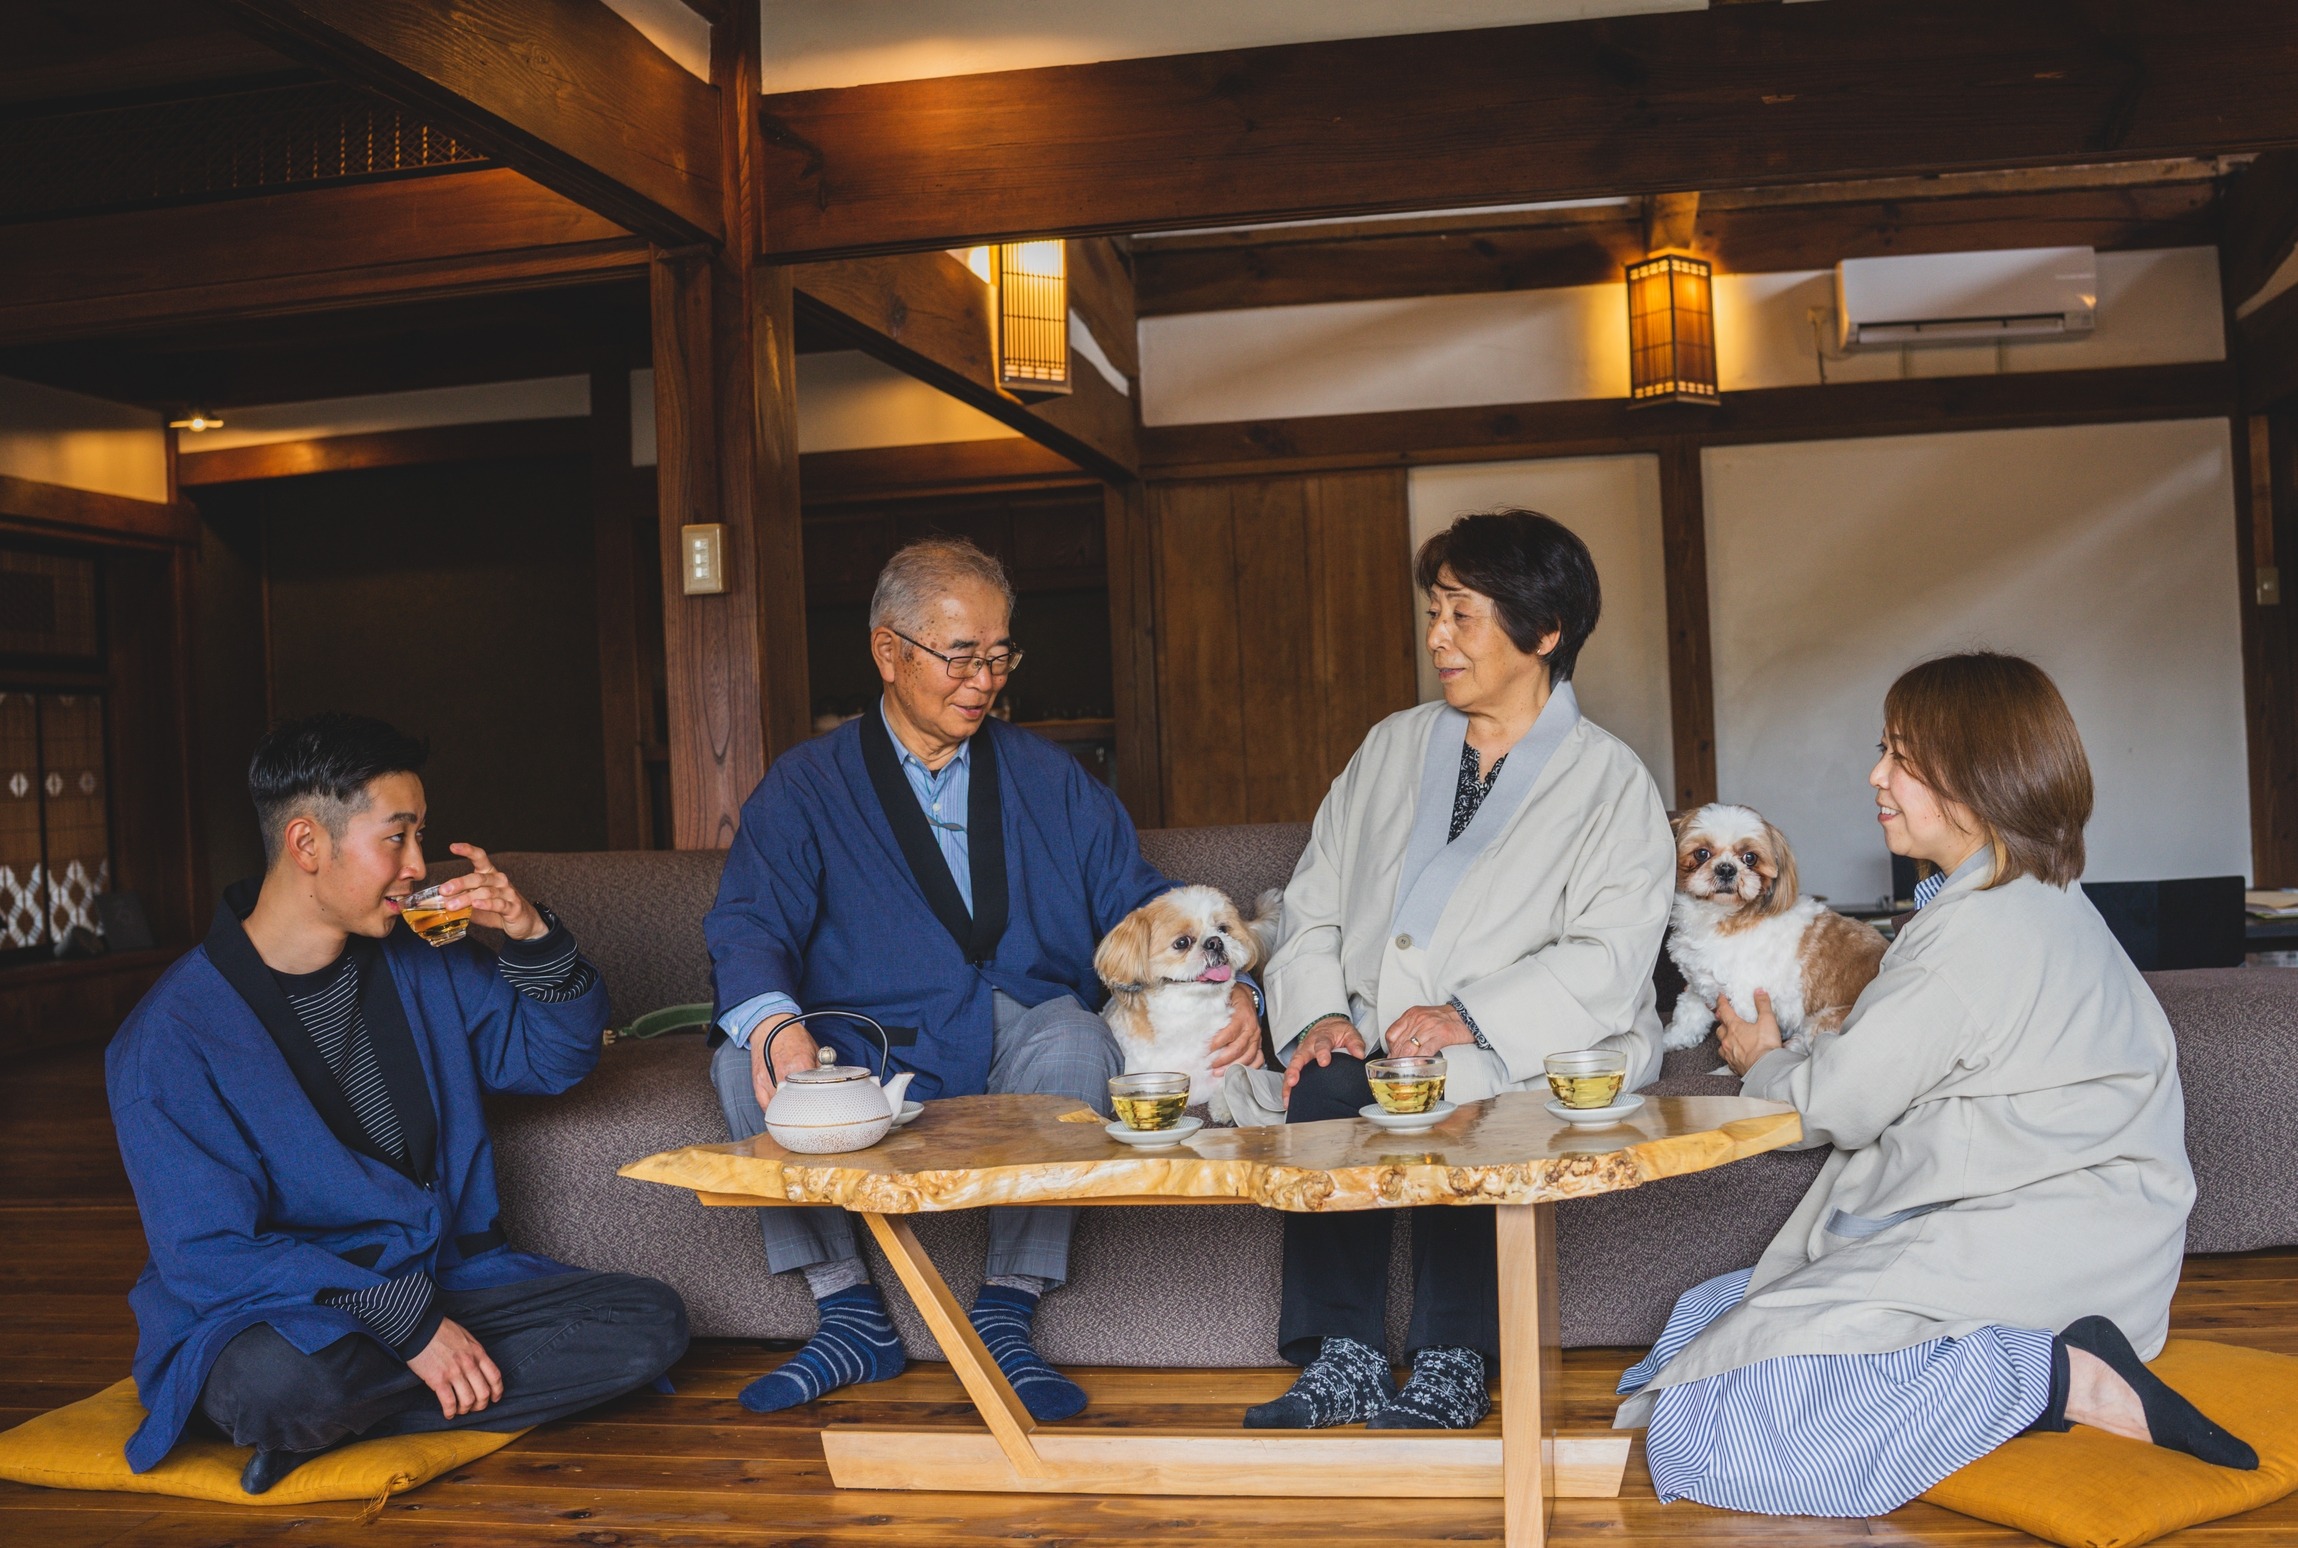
<point x="1966" y="298"/>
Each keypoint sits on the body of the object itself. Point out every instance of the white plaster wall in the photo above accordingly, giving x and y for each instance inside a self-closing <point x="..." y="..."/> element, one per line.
<point x="1613" y="503"/>
<point x="847" y="401"/>
<point x="542" y="397"/>
<point x="1356" y="357"/>
<point x="2104" y="552"/>
<point x="815" y="43"/>
<point x="1533" y="346"/>
<point x="56" y="437"/>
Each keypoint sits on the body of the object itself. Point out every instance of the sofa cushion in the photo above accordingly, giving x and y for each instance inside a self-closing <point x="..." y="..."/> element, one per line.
<point x="637" y="914"/>
<point x="2238" y="1059"/>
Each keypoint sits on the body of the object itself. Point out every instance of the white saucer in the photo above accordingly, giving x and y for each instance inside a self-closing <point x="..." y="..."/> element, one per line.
<point x="1596" y="1117"/>
<point x="1406" y="1123"/>
<point x="1153" y="1139"/>
<point x="909" y="1110"/>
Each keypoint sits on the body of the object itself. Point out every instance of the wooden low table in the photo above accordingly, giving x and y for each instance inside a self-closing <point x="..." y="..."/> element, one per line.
<point x="970" y="1152"/>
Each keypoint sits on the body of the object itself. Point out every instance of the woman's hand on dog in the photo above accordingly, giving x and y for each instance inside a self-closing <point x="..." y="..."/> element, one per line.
<point x="1334" y="1034"/>
<point x="1425" y="1030"/>
<point x="1240" y="1041"/>
<point x="793" y="1050"/>
<point x="1744" y="1042"/>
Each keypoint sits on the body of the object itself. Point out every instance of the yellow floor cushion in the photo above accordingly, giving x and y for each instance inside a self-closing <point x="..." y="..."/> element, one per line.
<point x="83" y="1446"/>
<point x="2088" y="1489"/>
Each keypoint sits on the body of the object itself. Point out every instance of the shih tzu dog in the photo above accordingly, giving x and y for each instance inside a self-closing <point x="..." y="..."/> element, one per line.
<point x="1739" y="925"/>
<point x="1169" y="965"/>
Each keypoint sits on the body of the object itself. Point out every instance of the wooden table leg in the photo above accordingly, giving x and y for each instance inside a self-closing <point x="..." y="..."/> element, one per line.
<point x="1525" y="1464"/>
<point x="1531" y="1370"/>
<point x="1001" y="1407"/>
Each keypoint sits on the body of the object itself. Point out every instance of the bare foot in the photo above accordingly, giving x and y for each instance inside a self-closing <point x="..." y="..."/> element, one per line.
<point x="2096" y="1396"/>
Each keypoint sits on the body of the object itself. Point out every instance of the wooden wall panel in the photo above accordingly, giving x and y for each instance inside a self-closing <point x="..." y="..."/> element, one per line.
<point x="1201" y="722"/>
<point x="1282" y="610"/>
<point x="1359" y="541"/>
<point x="1133" y="650"/>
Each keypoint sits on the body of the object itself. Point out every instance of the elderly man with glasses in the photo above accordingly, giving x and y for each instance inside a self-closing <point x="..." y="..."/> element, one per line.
<point x="947" y="875"/>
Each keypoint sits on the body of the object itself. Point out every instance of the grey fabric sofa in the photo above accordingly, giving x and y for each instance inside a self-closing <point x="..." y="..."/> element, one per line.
<point x="1197" y="1286"/>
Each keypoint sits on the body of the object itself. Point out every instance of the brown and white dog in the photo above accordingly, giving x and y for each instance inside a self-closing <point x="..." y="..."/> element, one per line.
<point x="1739" y="925"/>
<point x="1169" y="965"/>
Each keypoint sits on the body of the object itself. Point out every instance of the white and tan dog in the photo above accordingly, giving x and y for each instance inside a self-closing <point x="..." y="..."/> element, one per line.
<point x="1169" y="965"/>
<point x="1739" y="925"/>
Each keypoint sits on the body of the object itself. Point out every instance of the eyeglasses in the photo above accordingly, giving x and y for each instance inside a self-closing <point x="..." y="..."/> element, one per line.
<point x="1000" y="666"/>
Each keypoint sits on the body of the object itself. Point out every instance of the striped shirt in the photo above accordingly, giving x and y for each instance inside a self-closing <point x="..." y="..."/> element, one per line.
<point x="398" y="1312"/>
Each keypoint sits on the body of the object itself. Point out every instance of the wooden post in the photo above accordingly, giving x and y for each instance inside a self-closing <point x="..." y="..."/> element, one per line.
<point x="1691" y="666"/>
<point x="2262" y="456"/>
<point x="726" y="429"/>
<point x="621" y="689"/>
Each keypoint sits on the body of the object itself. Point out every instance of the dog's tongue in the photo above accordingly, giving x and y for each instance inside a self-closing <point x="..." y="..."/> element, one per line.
<point x="1216" y="974"/>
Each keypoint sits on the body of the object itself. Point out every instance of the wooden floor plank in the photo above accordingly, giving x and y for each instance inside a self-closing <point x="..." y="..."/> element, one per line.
<point x="694" y="1469"/>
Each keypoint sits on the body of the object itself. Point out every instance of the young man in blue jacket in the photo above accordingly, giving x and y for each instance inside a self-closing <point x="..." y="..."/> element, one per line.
<point x="298" y="1104"/>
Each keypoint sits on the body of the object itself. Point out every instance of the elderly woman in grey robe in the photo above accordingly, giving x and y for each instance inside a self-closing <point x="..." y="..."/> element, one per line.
<point x="1993" y="1245"/>
<point x="1488" y="879"/>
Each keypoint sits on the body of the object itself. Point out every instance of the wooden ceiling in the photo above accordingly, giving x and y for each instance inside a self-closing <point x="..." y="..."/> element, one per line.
<point x="67" y="50"/>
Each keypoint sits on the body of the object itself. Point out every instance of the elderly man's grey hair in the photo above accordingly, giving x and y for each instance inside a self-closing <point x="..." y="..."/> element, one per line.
<point x="924" y="572"/>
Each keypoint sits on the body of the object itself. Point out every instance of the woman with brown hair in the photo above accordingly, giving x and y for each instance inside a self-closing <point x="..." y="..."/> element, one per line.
<point x="1996" y="1237"/>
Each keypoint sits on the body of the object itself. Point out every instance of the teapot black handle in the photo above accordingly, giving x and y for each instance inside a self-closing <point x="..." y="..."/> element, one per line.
<point x="885" y="1045"/>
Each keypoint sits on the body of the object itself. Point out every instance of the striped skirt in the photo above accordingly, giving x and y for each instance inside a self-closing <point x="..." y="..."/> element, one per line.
<point x="1833" y="1435"/>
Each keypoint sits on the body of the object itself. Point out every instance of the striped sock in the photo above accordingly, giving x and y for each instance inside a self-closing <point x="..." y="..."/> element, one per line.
<point x="1002" y="1315"/>
<point x="856" y="1342"/>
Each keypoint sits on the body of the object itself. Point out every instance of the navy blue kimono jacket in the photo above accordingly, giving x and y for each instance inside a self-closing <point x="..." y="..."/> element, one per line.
<point x="835" y="895"/>
<point x="257" y="1188"/>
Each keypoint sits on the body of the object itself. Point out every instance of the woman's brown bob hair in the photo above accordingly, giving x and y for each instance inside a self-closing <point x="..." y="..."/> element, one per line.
<point x="1991" y="734"/>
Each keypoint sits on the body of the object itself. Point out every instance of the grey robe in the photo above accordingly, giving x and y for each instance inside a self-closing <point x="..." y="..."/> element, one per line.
<point x="1548" y="933"/>
<point x="2010" y="1145"/>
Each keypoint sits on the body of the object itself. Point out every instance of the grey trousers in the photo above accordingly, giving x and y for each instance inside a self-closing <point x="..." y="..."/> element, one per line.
<point x="563" y="1344"/>
<point x="1059" y="1048"/>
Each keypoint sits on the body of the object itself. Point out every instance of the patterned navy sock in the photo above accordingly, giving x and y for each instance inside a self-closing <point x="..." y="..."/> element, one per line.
<point x="856" y="1342"/>
<point x="1003" y="1316"/>
<point x="1347" y="1383"/>
<point x="1447" y="1392"/>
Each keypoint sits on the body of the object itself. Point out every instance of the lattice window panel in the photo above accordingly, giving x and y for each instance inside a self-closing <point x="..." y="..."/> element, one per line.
<point x="55" y="834"/>
<point x="245" y="142"/>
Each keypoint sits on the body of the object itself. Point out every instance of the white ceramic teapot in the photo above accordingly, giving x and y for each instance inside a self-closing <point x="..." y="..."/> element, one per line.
<point x="833" y="1107"/>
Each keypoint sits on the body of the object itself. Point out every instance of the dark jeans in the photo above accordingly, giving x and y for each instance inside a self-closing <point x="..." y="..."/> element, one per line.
<point x="562" y="1343"/>
<point x="1336" y="1265"/>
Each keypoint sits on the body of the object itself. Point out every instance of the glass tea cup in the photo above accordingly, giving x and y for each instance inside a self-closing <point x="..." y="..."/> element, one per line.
<point x="1407" y="1085"/>
<point x="1150" y="1101"/>
<point x="438" y="920"/>
<point x="1587" y="1078"/>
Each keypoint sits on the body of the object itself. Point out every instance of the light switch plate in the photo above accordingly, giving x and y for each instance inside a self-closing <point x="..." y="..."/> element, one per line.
<point x="704" y="549"/>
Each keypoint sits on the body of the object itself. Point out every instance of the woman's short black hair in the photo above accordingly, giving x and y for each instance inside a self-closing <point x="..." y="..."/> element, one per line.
<point x="321" y="764"/>
<point x="1536" y="571"/>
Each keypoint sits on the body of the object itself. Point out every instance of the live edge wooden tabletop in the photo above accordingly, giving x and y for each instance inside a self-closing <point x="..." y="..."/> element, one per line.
<point x="967" y="1152"/>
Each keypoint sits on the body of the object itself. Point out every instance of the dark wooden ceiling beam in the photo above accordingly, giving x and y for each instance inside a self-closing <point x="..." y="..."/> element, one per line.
<point x="565" y="90"/>
<point x="1730" y="98"/>
<point x="432" y="444"/>
<point x="2261" y="223"/>
<point x="928" y="315"/>
<point x="1592" y="247"/>
<point x="1605" y="426"/>
<point x="454" y="233"/>
<point x="51" y="510"/>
